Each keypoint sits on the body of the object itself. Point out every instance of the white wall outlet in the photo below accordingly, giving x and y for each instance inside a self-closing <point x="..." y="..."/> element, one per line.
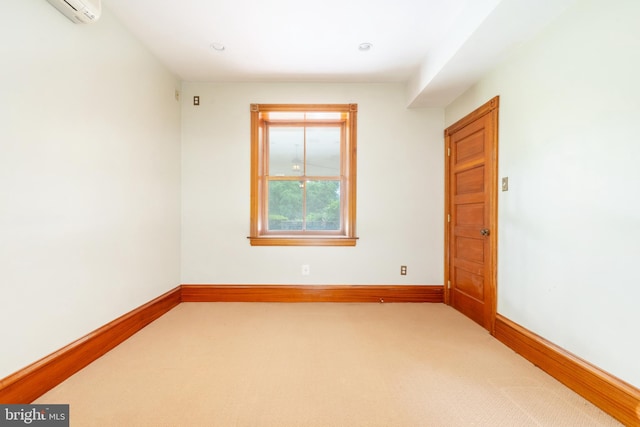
<point x="306" y="270"/>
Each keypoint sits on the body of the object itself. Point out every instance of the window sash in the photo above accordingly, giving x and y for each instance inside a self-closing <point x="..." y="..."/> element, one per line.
<point x="305" y="229"/>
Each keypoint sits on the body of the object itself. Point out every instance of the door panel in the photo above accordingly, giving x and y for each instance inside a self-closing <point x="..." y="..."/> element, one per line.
<point x="470" y="249"/>
<point x="469" y="307"/>
<point x="471" y="183"/>
<point x="469" y="283"/>
<point x="469" y="214"/>
<point x="472" y="147"/>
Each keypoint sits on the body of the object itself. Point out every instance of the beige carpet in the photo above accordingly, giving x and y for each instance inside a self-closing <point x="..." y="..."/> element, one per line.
<point x="264" y="364"/>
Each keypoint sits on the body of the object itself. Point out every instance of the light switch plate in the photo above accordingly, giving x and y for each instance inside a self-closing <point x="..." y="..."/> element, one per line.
<point x="505" y="183"/>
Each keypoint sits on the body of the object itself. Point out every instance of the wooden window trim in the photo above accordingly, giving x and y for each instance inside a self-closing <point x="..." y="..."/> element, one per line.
<point x="258" y="235"/>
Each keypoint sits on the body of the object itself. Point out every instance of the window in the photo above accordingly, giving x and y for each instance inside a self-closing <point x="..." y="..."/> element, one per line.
<point x="303" y="175"/>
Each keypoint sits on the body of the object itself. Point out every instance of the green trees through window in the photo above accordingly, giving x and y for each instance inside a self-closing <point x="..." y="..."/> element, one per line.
<point x="304" y="205"/>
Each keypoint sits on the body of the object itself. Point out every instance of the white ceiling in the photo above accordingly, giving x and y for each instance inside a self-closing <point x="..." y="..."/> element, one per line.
<point x="437" y="47"/>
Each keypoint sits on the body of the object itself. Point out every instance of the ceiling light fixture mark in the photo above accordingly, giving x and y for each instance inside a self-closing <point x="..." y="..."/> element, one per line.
<point x="365" y="47"/>
<point x="217" y="46"/>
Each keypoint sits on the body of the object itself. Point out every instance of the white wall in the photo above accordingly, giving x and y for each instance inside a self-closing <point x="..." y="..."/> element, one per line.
<point x="400" y="190"/>
<point x="569" y="226"/>
<point x="89" y="179"/>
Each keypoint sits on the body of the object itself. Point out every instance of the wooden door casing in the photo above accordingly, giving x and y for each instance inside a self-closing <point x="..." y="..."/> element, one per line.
<point x="471" y="206"/>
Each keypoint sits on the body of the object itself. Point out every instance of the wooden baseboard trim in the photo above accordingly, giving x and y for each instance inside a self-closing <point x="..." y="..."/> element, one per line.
<point x="612" y="395"/>
<point x="303" y="293"/>
<point x="29" y="383"/>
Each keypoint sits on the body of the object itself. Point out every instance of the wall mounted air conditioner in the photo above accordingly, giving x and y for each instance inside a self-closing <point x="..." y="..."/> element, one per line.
<point x="79" y="11"/>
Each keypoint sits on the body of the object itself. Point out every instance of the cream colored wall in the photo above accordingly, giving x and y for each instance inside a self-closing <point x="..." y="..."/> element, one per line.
<point x="569" y="226"/>
<point x="400" y="181"/>
<point x="89" y="179"/>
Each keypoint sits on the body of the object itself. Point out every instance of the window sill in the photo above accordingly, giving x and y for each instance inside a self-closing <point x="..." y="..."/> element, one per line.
<point x="302" y="241"/>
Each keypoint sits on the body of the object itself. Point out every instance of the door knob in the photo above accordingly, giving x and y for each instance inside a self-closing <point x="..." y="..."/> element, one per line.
<point x="485" y="232"/>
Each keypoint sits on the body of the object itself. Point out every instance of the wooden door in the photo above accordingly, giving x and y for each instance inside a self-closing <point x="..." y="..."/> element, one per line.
<point x="471" y="217"/>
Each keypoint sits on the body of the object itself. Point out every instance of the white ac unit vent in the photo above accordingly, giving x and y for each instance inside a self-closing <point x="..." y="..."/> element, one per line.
<point x="79" y="11"/>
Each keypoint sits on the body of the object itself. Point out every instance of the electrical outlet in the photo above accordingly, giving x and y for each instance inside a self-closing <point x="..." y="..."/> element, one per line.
<point x="306" y="270"/>
<point x="403" y="270"/>
<point x="196" y="100"/>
